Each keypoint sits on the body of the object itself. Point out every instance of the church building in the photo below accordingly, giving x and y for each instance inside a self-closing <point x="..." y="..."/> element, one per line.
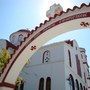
<point x="61" y="66"/>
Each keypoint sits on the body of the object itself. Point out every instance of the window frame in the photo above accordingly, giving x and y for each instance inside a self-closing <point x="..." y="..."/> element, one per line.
<point x="48" y="83"/>
<point x="41" y="84"/>
<point x="47" y="51"/>
<point x="69" y="56"/>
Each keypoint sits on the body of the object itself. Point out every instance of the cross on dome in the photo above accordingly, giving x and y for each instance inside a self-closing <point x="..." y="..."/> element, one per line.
<point x="54" y="9"/>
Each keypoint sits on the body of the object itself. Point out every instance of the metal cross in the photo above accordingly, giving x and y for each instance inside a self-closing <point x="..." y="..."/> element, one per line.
<point x="84" y="24"/>
<point x="33" y="48"/>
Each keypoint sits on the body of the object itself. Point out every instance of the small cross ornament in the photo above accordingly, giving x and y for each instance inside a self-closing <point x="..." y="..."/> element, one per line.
<point x="84" y="24"/>
<point x="33" y="48"/>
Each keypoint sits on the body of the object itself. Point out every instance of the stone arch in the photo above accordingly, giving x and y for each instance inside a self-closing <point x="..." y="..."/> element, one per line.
<point x="77" y="18"/>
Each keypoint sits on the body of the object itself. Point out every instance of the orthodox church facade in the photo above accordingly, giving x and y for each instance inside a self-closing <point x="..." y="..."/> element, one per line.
<point x="61" y="66"/>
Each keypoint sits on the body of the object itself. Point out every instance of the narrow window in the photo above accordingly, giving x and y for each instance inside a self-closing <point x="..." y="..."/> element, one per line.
<point x="71" y="82"/>
<point x="46" y="56"/>
<point x="13" y="39"/>
<point x="69" y="54"/>
<point x="22" y="86"/>
<point x="81" y="88"/>
<point x="78" y="66"/>
<point x="20" y="38"/>
<point x="76" y="48"/>
<point x="41" y="84"/>
<point x="85" y="77"/>
<point x="81" y="56"/>
<point x="77" y="85"/>
<point x="48" y="83"/>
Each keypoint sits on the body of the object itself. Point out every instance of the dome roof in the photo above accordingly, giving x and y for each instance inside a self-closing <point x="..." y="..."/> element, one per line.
<point x="24" y="30"/>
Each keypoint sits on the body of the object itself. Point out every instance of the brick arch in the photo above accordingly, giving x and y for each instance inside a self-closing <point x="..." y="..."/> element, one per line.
<point x="77" y="18"/>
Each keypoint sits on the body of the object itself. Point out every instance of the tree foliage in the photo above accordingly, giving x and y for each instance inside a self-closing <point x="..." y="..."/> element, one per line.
<point x="4" y="57"/>
<point x="19" y="81"/>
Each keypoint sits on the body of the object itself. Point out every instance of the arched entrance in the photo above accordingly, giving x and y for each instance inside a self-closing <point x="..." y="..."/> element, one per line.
<point x="77" y="18"/>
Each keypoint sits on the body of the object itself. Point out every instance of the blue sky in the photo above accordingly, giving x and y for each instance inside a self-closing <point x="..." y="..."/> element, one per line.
<point x="18" y="14"/>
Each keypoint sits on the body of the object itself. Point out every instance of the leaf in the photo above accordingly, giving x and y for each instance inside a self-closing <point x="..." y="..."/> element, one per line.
<point x="4" y="57"/>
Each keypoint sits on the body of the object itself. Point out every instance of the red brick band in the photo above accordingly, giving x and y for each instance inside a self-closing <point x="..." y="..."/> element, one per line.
<point x="5" y="84"/>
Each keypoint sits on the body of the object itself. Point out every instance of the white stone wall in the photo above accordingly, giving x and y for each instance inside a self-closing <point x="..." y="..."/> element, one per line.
<point x="33" y="74"/>
<point x="57" y="68"/>
<point x="56" y="54"/>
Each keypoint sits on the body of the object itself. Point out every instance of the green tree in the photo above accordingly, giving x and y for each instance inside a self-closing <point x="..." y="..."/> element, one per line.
<point x="19" y="81"/>
<point x="4" y="57"/>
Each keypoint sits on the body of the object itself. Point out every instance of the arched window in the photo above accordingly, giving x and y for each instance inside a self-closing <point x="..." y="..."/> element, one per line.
<point x="71" y="82"/>
<point x="48" y="83"/>
<point x="20" y="38"/>
<point x="81" y="88"/>
<point x="46" y="56"/>
<point x="78" y="66"/>
<point x="41" y="84"/>
<point x="77" y="85"/>
<point x="69" y="54"/>
<point x="13" y="39"/>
